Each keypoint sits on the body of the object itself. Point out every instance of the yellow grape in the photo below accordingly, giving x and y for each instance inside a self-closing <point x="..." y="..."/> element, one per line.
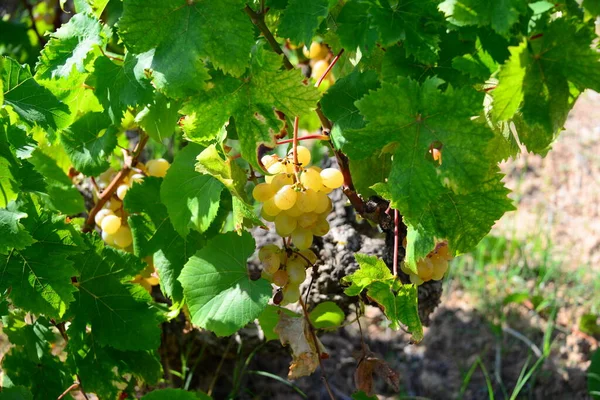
<point x="311" y="179"/>
<point x="280" y="278"/>
<point x="277" y="168"/>
<point x="110" y="224"/>
<point x="317" y="51"/>
<point x="306" y="201"/>
<point x="262" y="192"/>
<point x="294" y="211"/>
<point x="307" y="220"/>
<point x="280" y="181"/>
<point x="332" y="178"/>
<point x="285" y="225"/>
<point x="415" y="279"/>
<point x="265" y="275"/>
<point x="302" y="238"/>
<point x="322" y="203"/>
<point x="114" y="204"/>
<point x="158" y="167"/>
<point x="321" y="228"/>
<point x="290" y="168"/>
<point x="101" y="214"/>
<point x="319" y="69"/>
<point x="267" y="250"/>
<point x="108" y="239"/>
<point x="123" y="237"/>
<point x="270" y="208"/>
<point x="404" y="268"/>
<point x="271" y="263"/>
<point x="440" y="266"/>
<point x="285" y="198"/>
<point x="304" y="156"/>
<point x="136" y="178"/>
<point x="265" y="216"/>
<point x="291" y="293"/>
<point x="444" y="252"/>
<point x="296" y="271"/>
<point x="325" y="189"/>
<point x="122" y="191"/>
<point x="269" y="160"/>
<point x="309" y="255"/>
<point x="425" y="269"/>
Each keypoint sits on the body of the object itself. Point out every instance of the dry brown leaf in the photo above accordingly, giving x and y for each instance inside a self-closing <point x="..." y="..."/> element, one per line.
<point x="296" y="332"/>
<point x="369" y="363"/>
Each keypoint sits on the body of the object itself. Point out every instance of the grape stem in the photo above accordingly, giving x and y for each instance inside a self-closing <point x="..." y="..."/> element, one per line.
<point x="295" y="150"/>
<point x="308" y="137"/>
<point x="329" y="68"/>
<point x="74" y="386"/>
<point x="129" y="162"/>
<point x="258" y="19"/>
<point x="60" y="326"/>
<point x="313" y="335"/>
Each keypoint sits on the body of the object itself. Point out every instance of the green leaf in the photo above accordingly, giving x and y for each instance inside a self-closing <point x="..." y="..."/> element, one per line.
<point x="301" y="19"/>
<point x="419" y="244"/>
<point x="159" y="119"/>
<point x="500" y="14"/>
<point x="89" y="142"/>
<point x="251" y="101"/>
<point x="117" y="311"/>
<point x="12" y="233"/>
<point x="354" y="27"/>
<point x="117" y="86"/>
<point x="508" y="95"/>
<point x="192" y="199"/>
<point x="69" y="47"/>
<point x="592" y="6"/>
<point x="372" y="269"/>
<point x="153" y="234"/>
<point x="593" y="373"/>
<point x="327" y="315"/>
<point x="33" y="339"/>
<point x="189" y="33"/>
<point x="32" y="102"/>
<point x="220" y="294"/>
<point x="370" y="171"/>
<point x="269" y="318"/>
<point x="360" y="395"/>
<point x="175" y="394"/>
<point x="16" y="393"/>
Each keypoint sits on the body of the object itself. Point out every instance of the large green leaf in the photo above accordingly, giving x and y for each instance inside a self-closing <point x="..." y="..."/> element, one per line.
<point x="301" y="19"/>
<point x="192" y="199"/>
<point x="499" y="14"/>
<point x="159" y="118"/>
<point x="12" y="233"/>
<point x="184" y="34"/>
<point x="220" y="294"/>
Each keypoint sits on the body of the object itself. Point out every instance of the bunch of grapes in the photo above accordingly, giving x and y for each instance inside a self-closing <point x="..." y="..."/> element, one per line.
<point x="433" y="266"/>
<point x="112" y="219"/>
<point x="319" y="54"/>
<point x="296" y="200"/>
<point x="285" y="269"/>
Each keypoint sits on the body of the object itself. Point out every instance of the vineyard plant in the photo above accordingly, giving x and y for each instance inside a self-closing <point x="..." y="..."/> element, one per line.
<point x="144" y="144"/>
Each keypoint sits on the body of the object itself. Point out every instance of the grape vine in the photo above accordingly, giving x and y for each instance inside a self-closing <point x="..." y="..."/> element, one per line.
<point x="143" y="141"/>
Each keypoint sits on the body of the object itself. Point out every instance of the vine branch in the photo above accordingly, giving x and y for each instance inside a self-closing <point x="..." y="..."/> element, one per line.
<point x="258" y="19"/>
<point x="329" y="68"/>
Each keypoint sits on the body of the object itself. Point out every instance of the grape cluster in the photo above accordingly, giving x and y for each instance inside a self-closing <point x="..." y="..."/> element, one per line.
<point x="297" y="201"/>
<point x="433" y="266"/>
<point x="112" y="219"/>
<point x="318" y="53"/>
<point x="285" y="269"/>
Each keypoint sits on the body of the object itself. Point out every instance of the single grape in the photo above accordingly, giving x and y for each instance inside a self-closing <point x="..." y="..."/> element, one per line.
<point x="290" y="168"/>
<point x="136" y="178"/>
<point x="291" y="293"/>
<point x="101" y="214"/>
<point x="280" y="181"/>
<point x="439" y="268"/>
<point x="122" y="191"/>
<point x="110" y="224"/>
<point x="265" y="216"/>
<point x="317" y="51"/>
<point x="296" y="271"/>
<point x="285" y="225"/>
<point x="307" y="220"/>
<point x="270" y="208"/>
<point x="262" y="192"/>
<point x="322" y="203"/>
<point x="265" y="275"/>
<point x="325" y="189"/>
<point x="319" y="69"/>
<point x="280" y="278"/>
<point x="415" y="279"/>
<point x="332" y="178"/>
<point x="309" y="255"/>
<point x="294" y="211"/>
<point x="306" y="200"/>
<point x="113" y="204"/>
<point x="271" y="263"/>
<point x="404" y="268"/>
<point x="158" y="167"/>
<point x="278" y="297"/>
<point x="277" y="168"/>
<point x="269" y="160"/>
<point x="123" y="237"/>
<point x="425" y="269"/>
<point x="285" y="198"/>
<point x="302" y="238"/>
<point x="267" y="250"/>
<point x="108" y="239"/>
<point x="443" y="251"/>
<point x="320" y="228"/>
<point x="311" y="179"/>
<point x="303" y="154"/>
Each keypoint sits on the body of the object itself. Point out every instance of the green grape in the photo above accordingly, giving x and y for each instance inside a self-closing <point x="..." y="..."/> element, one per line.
<point x="317" y="51"/>
<point x="415" y="279"/>
<point x="280" y="181"/>
<point x="122" y="191"/>
<point x="285" y="198"/>
<point x="110" y="224"/>
<point x="280" y="278"/>
<point x="320" y="228"/>
<point x="306" y="201"/>
<point x="113" y="204"/>
<point x="302" y="238"/>
<point x="322" y="203"/>
<point x="319" y="69"/>
<point x="332" y="178"/>
<point x="265" y="216"/>
<point x="285" y="224"/>
<point x="267" y="250"/>
<point x="311" y="179"/>
<point x="294" y="211"/>
<point x="309" y="255"/>
<point x="122" y="237"/>
<point x="270" y="208"/>
<point x="307" y="220"/>
<point x="303" y="154"/>
<point x="265" y="275"/>
<point x="291" y="294"/>
<point x="158" y="167"/>
<point x="271" y="263"/>
<point x="296" y="271"/>
<point x="101" y="214"/>
<point x="262" y="192"/>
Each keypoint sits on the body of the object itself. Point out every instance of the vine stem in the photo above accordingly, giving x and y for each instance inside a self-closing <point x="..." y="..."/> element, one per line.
<point x="130" y="161"/>
<point x="258" y="19"/>
<point x="396" y="242"/>
<point x="329" y="68"/>
<point x="74" y="386"/>
<point x="63" y="333"/>
<point x="313" y="335"/>
<point x="307" y="137"/>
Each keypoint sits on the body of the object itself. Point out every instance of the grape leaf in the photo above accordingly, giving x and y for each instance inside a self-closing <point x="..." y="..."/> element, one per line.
<point x="251" y="101"/>
<point x="371" y="270"/>
<point x="192" y="199"/>
<point x="592" y="6"/>
<point x="69" y="47"/>
<point x="220" y="294"/>
<point x="12" y="232"/>
<point x="89" y="141"/>
<point x="159" y="118"/>
<point x="186" y="34"/>
<point x="327" y="315"/>
<point x="354" y="27"/>
<point x="32" y="102"/>
<point x="117" y="311"/>
<point x="175" y="394"/>
<point x="301" y="19"/>
<point x="33" y="338"/>
<point x="419" y="244"/>
<point x="500" y="14"/>
<point x="16" y="393"/>
<point x="117" y="86"/>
